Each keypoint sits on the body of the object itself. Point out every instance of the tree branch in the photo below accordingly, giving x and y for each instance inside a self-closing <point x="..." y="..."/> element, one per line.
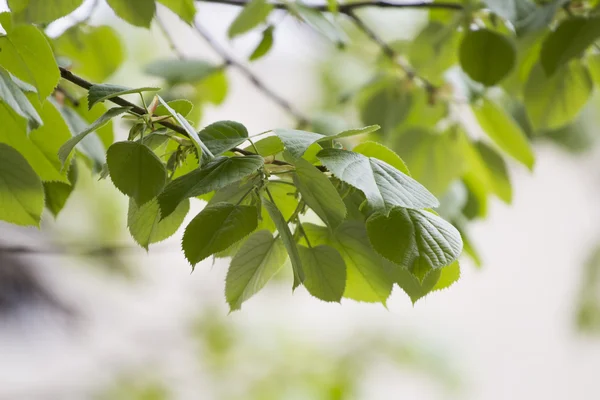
<point x="82" y="83"/>
<point x="283" y="103"/>
<point x="391" y="53"/>
<point x="347" y="8"/>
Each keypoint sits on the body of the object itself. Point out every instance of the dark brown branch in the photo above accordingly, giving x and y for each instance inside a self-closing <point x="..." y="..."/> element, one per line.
<point x="82" y="83"/>
<point x="347" y="8"/>
<point x="283" y="103"/>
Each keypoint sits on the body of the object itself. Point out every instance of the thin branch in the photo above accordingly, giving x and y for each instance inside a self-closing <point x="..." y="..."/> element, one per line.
<point x="82" y="83"/>
<point x="168" y="37"/>
<point x="283" y="103"/>
<point x="346" y="8"/>
<point x="391" y="53"/>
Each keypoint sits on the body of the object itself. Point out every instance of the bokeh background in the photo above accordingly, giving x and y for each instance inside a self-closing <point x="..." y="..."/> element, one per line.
<point x="134" y="325"/>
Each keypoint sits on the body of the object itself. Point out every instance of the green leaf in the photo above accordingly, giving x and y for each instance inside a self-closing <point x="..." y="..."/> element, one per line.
<point x="288" y="240"/>
<point x="136" y="12"/>
<point x="204" y="153"/>
<point x="184" y="8"/>
<point x="384" y="186"/>
<point x="435" y="159"/>
<point x="218" y="173"/>
<point x="268" y="146"/>
<point x="136" y="171"/>
<point x="216" y="228"/>
<point x="487" y="170"/>
<point x="42" y="11"/>
<point x="95" y="52"/>
<point x="14" y="134"/>
<point x="146" y="226"/>
<point x="21" y="191"/>
<point x="379" y="151"/>
<point x="264" y="45"/>
<point x="67" y="148"/>
<point x="56" y="194"/>
<point x="437" y="279"/>
<point x="449" y="275"/>
<point x="486" y="56"/>
<point x="100" y="93"/>
<point x="13" y="97"/>
<point x="26" y="54"/>
<point x="505" y="132"/>
<point x="256" y="262"/>
<point x="180" y="106"/>
<point x="325" y="272"/>
<point x="366" y="280"/>
<point x="296" y="142"/>
<point x="386" y="103"/>
<point x="181" y="71"/>
<point x="319" y="22"/>
<point x="414" y="238"/>
<point x="223" y="136"/>
<point x="253" y="14"/>
<point x="354" y="132"/>
<point x="570" y="40"/>
<point x="319" y="193"/>
<point x="553" y="102"/>
<point x="411" y="285"/>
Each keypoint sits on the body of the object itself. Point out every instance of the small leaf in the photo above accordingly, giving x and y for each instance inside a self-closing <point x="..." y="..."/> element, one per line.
<point x="435" y="159"/>
<point x="570" y="40"/>
<point x="486" y="56"/>
<point x="180" y="106"/>
<point x="96" y="52"/>
<point x="256" y="262"/>
<point x="384" y="186"/>
<point x="319" y="22"/>
<point x="366" y="280"/>
<point x="265" y="44"/>
<point x="146" y="226"/>
<point x="380" y="152"/>
<point x="288" y="240"/>
<point x="56" y="194"/>
<point x="325" y="272"/>
<point x="553" y="102"/>
<point x="100" y="93"/>
<point x="505" y="132"/>
<point x="319" y="193"/>
<point x="12" y="96"/>
<point x="67" y="148"/>
<point x="223" y="136"/>
<point x="136" y="12"/>
<point x="181" y="71"/>
<point x="487" y="170"/>
<point x="27" y="55"/>
<point x="386" y="103"/>
<point x="296" y="142"/>
<point x="253" y="14"/>
<point x="21" y="191"/>
<point x="218" y="173"/>
<point x="136" y="171"/>
<point x="184" y="8"/>
<point x="354" y="132"/>
<point x="216" y="228"/>
<point x="204" y="153"/>
<point x="268" y="146"/>
<point x="411" y="285"/>
<point x="42" y="11"/>
<point x="414" y="238"/>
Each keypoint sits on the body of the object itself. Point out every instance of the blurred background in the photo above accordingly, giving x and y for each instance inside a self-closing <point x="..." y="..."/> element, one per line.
<point x="90" y="316"/>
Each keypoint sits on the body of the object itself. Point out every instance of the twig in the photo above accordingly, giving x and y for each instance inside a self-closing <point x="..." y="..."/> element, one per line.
<point x="391" y="53"/>
<point x="283" y="103"/>
<point x="168" y="37"/>
<point x="67" y="95"/>
<point x="82" y="83"/>
<point x="346" y="8"/>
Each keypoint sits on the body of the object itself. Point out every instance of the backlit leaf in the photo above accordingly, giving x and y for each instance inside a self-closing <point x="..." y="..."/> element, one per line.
<point x="21" y="191"/>
<point x="325" y="272"/>
<point x="136" y="12"/>
<point x="222" y="136"/>
<point x="100" y="93"/>
<point x="253" y="14"/>
<point x="146" y="226"/>
<point x="486" y="56"/>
